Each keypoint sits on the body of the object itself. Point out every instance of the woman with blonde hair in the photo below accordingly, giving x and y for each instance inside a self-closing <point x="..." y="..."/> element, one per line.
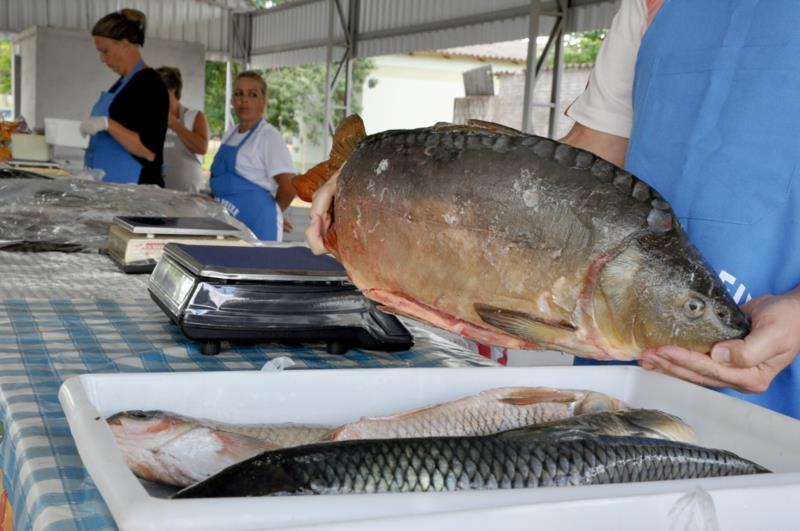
<point x="252" y="172"/>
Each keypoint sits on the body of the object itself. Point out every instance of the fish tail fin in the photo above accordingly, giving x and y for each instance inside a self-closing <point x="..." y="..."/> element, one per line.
<point x="306" y="184"/>
<point x="345" y="140"/>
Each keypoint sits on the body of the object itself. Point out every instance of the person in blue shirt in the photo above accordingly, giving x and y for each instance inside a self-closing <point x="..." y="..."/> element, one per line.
<point x="699" y="99"/>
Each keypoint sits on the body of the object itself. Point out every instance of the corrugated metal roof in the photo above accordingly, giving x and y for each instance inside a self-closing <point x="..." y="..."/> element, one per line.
<point x="297" y="32"/>
<point x="204" y="21"/>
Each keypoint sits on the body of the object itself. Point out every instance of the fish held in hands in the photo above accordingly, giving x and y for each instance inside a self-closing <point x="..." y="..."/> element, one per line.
<point x="519" y="241"/>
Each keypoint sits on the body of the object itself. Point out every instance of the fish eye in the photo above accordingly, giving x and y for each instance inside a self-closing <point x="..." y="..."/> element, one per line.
<point x="694" y="307"/>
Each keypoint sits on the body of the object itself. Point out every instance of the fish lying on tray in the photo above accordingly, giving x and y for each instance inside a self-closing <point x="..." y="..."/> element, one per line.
<point x="177" y="450"/>
<point x="517" y="240"/>
<point x="489" y="411"/>
<point x="559" y="454"/>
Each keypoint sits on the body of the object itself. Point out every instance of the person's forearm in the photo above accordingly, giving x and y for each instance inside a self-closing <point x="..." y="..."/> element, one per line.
<point x="285" y="193"/>
<point x="130" y="140"/>
<point x="604" y="145"/>
<point x="194" y="142"/>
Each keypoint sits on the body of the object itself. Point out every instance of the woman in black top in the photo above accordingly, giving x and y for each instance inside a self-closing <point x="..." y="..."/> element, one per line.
<point x="129" y="121"/>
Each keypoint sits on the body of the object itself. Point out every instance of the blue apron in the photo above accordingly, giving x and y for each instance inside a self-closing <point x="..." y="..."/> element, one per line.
<point x="246" y="201"/>
<point x="104" y="152"/>
<point x="716" y="113"/>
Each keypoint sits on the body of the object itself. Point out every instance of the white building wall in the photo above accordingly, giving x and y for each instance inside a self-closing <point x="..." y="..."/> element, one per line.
<point x="62" y="75"/>
<point x="416" y="91"/>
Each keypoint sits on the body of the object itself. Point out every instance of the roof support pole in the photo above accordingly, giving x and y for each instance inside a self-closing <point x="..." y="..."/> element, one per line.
<point x="530" y="70"/>
<point x="558" y="69"/>
<point x="326" y="142"/>
<point x="228" y="94"/>
<point x="349" y="26"/>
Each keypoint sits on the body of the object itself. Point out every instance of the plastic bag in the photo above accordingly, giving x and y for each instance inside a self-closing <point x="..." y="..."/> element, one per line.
<point x="694" y="511"/>
<point x="75" y="214"/>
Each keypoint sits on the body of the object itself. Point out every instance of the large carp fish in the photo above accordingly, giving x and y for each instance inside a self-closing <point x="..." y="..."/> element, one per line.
<point x="516" y="240"/>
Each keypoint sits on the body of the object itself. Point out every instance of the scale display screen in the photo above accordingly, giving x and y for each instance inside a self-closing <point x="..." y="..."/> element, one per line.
<point x="172" y="284"/>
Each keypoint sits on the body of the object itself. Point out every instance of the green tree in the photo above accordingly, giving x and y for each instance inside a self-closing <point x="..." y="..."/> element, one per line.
<point x="582" y="47"/>
<point x="5" y="67"/>
<point x="215" y="96"/>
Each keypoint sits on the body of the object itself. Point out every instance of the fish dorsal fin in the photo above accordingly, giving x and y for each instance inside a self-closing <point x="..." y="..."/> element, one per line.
<point x="476" y="126"/>
<point x="525" y="325"/>
<point x="345" y="140"/>
<point x="493" y="127"/>
<point x="536" y="395"/>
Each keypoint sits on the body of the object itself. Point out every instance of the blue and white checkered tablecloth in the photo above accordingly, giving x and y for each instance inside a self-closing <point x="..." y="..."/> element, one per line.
<point x="63" y="315"/>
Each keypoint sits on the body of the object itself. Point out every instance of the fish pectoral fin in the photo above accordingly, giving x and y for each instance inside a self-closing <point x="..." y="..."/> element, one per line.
<point x="534" y="395"/>
<point x="525" y="325"/>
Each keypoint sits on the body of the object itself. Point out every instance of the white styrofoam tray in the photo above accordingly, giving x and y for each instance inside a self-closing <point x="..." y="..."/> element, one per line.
<point x="339" y="396"/>
<point x="66" y="133"/>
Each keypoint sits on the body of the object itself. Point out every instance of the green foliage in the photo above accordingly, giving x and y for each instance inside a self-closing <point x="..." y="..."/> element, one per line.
<point x="582" y="47"/>
<point x="296" y="96"/>
<point x="5" y="67"/>
<point x="215" y="96"/>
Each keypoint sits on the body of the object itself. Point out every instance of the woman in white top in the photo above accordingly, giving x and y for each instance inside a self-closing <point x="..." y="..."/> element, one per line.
<point x="253" y="169"/>
<point x="187" y="138"/>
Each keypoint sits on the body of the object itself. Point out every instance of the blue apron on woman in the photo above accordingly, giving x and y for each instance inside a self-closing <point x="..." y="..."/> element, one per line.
<point x="246" y="201"/>
<point x="104" y="152"/>
<point x="716" y="109"/>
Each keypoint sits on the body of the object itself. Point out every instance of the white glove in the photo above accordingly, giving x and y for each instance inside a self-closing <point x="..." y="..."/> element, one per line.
<point x="93" y="125"/>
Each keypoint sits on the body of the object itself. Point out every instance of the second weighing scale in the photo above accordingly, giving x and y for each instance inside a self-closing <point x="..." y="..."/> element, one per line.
<point x="272" y="293"/>
<point x="135" y="243"/>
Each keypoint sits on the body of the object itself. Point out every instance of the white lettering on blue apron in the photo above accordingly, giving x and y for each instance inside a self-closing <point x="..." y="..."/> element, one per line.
<point x="246" y="201"/>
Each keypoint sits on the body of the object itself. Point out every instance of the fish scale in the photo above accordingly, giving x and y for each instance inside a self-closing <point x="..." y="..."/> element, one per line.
<point x="514" y="459"/>
<point x="566" y="155"/>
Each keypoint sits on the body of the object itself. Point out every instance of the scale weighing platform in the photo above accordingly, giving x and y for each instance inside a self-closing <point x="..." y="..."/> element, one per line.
<point x="278" y="292"/>
<point x="135" y="243"/>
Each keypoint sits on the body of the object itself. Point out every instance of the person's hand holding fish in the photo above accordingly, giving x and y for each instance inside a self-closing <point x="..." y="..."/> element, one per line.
<point x="320" y="215"/>
<point x="749" y="364"/>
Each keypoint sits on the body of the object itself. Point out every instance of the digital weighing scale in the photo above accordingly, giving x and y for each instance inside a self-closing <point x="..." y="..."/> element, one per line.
<point x="278" y="292"/>
<point x="135" y="242"/>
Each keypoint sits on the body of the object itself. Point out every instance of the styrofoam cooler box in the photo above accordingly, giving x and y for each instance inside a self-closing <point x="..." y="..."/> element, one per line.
<point x="339" y="396"/>
<point x="59" y="132"/>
